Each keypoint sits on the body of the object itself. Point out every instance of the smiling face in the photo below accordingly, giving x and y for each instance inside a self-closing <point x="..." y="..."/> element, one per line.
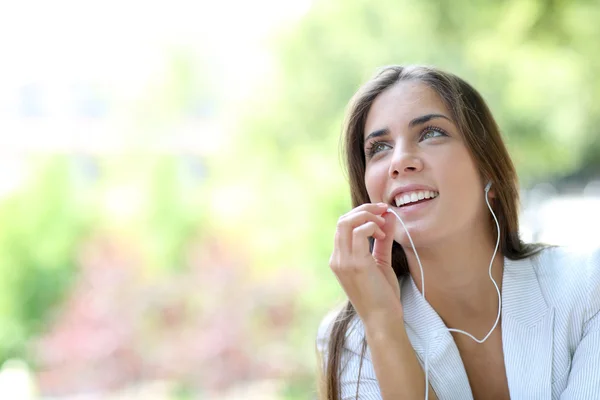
<point x="417" y="161"/>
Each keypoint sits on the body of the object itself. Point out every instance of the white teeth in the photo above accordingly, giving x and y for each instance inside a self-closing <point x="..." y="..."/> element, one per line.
<point x="415" y="196"/>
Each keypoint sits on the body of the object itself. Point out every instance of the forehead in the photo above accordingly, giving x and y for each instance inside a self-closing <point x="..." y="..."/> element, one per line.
<point x="400" y="103"/>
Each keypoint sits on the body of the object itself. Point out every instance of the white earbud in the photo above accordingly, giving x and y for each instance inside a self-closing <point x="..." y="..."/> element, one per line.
<point x="488" y="186"/>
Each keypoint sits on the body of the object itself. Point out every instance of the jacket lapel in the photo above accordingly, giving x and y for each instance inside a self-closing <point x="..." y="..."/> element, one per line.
<point x="527" y="332"/>
<point x="433" y="343"/>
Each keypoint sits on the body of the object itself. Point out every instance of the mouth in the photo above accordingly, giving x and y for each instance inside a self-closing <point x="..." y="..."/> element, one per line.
<point x="407" y="199"/>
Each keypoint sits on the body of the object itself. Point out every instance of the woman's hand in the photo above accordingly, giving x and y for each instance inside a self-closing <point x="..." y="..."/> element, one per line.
<point x="373" y="288"/>
<point x="368" y="279"/>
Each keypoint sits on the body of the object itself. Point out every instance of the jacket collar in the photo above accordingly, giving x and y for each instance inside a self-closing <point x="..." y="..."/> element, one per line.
<point x="527" y="335"/>
<point x="527" y="331"/>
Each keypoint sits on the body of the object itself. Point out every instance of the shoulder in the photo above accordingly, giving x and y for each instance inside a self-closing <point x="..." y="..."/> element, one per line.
<point x="353" y="335"/>
<point x="566" y="265"/>
<point x="325" y="329"/>
<point x="570" y="274"/>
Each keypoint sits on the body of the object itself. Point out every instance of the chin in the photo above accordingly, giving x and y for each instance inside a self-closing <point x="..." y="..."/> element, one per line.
<point x="421" y="238"/>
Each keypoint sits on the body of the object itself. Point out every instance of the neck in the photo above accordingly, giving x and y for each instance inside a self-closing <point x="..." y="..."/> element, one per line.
<point x="457" y="282"/>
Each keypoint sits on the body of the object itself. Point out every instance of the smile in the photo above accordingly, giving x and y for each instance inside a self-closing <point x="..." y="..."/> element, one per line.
<point x="418" y="196"/>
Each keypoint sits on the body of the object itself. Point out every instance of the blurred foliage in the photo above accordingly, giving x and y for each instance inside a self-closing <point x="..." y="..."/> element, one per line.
<point x="534" y="62"/>
<point x="39" y="234"/>
<point x="66" y="199"/>
<point x="216" y="266"/>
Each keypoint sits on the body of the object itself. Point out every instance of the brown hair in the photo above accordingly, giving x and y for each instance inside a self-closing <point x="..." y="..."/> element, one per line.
<point x="482" y="137"/>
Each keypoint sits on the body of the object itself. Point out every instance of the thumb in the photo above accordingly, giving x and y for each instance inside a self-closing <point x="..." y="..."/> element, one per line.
<point x="382" y="249"/>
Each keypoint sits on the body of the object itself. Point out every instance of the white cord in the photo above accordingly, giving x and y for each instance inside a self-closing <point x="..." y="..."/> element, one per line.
<point x="423" y="289"/>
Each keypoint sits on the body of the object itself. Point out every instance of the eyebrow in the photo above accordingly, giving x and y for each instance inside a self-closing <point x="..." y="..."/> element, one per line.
<point x="417" y="121"/>
<point x="426" y="118"/>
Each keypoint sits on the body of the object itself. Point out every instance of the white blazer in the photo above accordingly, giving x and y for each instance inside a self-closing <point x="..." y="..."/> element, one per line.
<point x="550" y="333"/>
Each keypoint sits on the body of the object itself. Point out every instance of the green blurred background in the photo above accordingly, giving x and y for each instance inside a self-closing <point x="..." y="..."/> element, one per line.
<point x="170" y="176"/>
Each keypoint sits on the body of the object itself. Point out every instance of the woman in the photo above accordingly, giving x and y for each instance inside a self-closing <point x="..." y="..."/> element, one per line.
<point x="422" y="148"/>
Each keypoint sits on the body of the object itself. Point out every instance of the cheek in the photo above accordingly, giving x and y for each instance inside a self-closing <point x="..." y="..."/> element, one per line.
<point x="456" y="167"/>
<point x="375" y="179"/>
<point x="461" y="181"/>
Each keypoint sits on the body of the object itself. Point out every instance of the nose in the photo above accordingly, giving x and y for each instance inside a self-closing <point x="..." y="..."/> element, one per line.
<point x="404" y="162"/>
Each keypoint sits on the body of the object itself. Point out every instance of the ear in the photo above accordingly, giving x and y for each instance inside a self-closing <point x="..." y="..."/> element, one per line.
<point x="489" y="191"/>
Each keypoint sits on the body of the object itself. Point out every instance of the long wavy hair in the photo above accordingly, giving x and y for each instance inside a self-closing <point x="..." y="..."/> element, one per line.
<point x="482" y="137"/>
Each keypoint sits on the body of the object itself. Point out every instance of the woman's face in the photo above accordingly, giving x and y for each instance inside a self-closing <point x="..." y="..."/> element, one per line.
<point x="417" y="161"/>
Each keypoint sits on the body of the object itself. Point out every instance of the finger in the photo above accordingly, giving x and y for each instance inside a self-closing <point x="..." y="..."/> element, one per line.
<point x="357" y="218"/>
<point x="374" y="208"/>
<point x="349" y="222"/>
<point x="360" y="238"/>
<point x="342" y="243"/>
<point x="382" y="248"/>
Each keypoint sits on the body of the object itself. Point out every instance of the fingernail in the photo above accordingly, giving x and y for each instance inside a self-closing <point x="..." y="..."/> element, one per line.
<point x="382" y="205"/>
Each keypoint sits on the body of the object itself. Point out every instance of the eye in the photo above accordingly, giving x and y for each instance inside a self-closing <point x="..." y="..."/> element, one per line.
<point x="375" y="148"/>
<point x="432" y="132"/>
